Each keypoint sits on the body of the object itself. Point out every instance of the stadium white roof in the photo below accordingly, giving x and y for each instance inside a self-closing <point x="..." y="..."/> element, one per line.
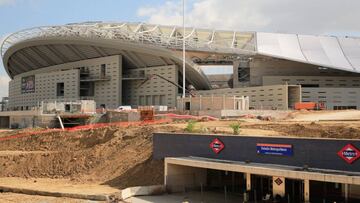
<point x="139" y="43"/>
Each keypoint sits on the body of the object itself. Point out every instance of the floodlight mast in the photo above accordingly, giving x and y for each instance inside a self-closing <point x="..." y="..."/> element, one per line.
<point x="183" y="72"/>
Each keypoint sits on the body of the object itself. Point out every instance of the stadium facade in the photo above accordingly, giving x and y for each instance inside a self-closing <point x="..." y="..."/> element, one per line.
<point x="112" y="62"/>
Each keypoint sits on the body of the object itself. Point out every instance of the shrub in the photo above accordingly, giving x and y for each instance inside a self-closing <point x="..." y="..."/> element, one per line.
<point x="236" y="128"/>
<point x="190" y="127"/>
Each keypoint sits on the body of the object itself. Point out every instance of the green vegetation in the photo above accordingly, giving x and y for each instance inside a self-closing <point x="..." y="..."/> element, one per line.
<point x="190" y="127"/>
<point x="236" y="128"/>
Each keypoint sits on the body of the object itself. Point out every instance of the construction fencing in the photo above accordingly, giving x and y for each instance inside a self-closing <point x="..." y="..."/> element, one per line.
<point x="31" y="132"/>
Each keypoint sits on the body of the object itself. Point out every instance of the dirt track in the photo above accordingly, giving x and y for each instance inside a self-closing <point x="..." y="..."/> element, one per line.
<point x="11" y="198"/>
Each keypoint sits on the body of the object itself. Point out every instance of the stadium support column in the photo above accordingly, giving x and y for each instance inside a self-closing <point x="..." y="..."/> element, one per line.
<point x="278" y="186"/>
<point x="306" y="190"/>
<point x="241" y="73"/>
<point x="248" y="182"/>
<point x="346" y="192"/>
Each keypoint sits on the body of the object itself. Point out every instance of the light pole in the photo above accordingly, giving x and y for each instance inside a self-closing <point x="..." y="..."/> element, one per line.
<point x="183" y="72"/>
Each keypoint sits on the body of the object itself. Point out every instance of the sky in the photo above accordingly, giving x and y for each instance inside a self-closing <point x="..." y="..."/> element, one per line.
<point x="319" y="17"/>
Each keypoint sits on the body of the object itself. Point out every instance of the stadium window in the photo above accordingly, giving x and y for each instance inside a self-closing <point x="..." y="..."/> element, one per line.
<point x="60" y="89"/>
<point x="309" y="85"/>
<point x="103" y="71"/>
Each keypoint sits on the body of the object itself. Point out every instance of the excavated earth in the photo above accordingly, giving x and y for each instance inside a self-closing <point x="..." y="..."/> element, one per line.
<point x="122" y="156"/>
<point x="108" y="155"/>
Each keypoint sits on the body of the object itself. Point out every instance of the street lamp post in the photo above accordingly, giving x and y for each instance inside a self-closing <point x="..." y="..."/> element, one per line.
<point x="183" y="72"/>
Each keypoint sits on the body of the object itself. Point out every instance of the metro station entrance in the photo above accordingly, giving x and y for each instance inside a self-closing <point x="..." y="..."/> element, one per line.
<point x="226" y="182"/>
<point x="261" y="187"/>
<point x="294" y="190"/>
<point x="326" y="192"/>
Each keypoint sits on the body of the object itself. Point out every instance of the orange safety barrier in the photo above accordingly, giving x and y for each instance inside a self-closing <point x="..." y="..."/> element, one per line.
<point x="121" y="124"/>
<point x="87" y="127"/>
<point x="20" y="135"/>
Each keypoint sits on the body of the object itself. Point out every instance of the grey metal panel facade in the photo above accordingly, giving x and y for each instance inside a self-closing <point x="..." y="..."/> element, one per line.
<point x="316" y="153"/>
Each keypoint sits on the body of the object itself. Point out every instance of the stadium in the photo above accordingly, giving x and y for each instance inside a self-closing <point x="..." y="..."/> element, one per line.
<point x="246" y="156"/>
<point x="112" y="64"/>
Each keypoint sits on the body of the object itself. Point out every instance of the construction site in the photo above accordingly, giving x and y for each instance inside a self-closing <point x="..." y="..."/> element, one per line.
<point x="111" y="112"/>
<point x="97" y="162"/>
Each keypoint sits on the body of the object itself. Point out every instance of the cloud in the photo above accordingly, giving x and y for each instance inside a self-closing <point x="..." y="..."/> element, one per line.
<point x="288" y="16"/>
<point x="6" y="2"/>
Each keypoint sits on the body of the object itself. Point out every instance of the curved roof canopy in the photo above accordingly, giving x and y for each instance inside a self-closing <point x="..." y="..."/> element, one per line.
<point x="144" y="45"/>
<point x="341" y="53"/>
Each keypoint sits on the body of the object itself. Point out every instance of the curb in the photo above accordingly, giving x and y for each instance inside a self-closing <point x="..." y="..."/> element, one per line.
<point x="55" y="194"/>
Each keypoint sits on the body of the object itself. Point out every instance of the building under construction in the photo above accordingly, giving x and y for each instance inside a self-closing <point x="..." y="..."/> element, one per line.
<point x="109" y="62"/>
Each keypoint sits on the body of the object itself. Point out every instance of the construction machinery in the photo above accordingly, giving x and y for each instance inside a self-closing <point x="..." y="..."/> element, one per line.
<point x="309" y="106"/>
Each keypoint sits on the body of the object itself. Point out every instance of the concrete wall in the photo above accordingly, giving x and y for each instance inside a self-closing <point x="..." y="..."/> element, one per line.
<point x="156" y="91"/>
<point x="333" y="97"/>
<point x="4" y="121"/>
<point x="214" y="103"/>
<point x="278" y="189"/>
<point x="179" y="178"/>
<point x="76" y="106"/>
<point x="277" y="67"/>
<point x="322" y="81"/>
<point x="114" y="116"/>
<point x="261" y="97"/>
<point x="45" y="88"/>
<point x="106" y="92"/>
<point x="315" y="153"/>
<point x="333" y="91"/>
<point x="279" y="114"/>
<point x="44" y="121"/>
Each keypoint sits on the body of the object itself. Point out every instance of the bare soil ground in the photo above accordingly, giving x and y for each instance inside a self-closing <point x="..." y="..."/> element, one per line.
<point x="12" y="198"/>
<point x="329" y="129"/>
<point x="106" y="155"/>
<point x="325" y="115"/>
<point x="118" y="157"/>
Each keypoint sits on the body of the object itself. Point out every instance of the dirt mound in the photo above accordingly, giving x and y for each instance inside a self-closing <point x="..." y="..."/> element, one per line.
<point x="107" y="155"/>
<point x="336" y="130"/>
<point x="121" y="156"/>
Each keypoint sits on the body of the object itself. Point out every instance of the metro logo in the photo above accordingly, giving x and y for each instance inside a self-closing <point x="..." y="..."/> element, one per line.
<point x="349" y="153"/>
<point x="216" y="145"/>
